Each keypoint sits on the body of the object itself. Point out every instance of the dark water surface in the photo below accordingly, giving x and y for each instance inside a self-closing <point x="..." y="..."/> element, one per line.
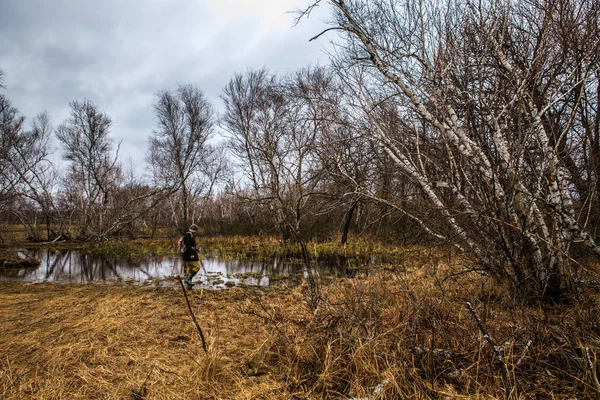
<point x="72" y="266"/>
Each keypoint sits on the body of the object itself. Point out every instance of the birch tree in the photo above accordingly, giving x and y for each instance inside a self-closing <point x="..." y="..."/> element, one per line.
<point x="486" y="107"/>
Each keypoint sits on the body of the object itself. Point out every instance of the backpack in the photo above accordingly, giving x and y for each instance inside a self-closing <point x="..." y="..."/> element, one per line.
<point x="182" y="246"/>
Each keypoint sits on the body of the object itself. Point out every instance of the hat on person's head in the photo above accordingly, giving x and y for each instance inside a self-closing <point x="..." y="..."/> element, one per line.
<point x="193" y="227"/>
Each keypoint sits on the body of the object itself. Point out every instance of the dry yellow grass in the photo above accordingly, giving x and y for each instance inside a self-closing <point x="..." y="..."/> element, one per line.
<point x="109" y="342"/>
<point x="401" y="332"/>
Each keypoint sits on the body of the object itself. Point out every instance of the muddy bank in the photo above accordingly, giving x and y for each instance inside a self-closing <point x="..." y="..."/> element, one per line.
<point x="17" y="258"/>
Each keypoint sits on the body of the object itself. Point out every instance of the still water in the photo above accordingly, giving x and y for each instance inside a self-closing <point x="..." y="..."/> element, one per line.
<point x="74" y="267"/>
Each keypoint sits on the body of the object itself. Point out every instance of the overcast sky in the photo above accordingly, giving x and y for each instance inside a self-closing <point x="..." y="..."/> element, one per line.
<point x="119" y="53"/>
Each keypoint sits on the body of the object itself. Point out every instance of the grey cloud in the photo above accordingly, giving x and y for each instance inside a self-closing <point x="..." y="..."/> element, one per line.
<point x="120" y="53"/>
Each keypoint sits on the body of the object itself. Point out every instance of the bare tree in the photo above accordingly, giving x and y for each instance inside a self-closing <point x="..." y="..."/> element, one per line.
<point x="26" y="175"/>
<point x="179" y="153"/>
<point x="273" y="126"/>
<point x="37" y="174"/>
<point x="486" y="107"/>
<point x="11" y="128"/>
<point x="310" y="117"/>
<point x="215" y="170"/>
<point x="254" y="118"/>
<point x="93" y="172"/>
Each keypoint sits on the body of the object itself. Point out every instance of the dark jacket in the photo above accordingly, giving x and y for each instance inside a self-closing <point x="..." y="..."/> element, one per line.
<point x="191" y="252"/>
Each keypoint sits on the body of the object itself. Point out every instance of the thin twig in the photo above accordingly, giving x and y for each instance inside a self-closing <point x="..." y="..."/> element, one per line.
<point x="141" y="393"/>
<point x="529" y="342"/>
<point x="192" y="314"/>
<point x="302" y="13"/>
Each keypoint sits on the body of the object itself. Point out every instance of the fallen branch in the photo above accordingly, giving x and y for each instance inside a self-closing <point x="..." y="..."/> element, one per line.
<point x="498" y="350"/>
<point x="192" y="314"/>
<point x="591" y="366"/>
<point x="140" y="394"/>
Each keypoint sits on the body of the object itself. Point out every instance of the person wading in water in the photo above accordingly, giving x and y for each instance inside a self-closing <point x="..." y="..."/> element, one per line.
<point x="190" y="256"/>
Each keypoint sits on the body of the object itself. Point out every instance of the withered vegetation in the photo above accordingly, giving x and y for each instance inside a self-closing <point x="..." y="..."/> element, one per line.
<point x="417" y="330"/>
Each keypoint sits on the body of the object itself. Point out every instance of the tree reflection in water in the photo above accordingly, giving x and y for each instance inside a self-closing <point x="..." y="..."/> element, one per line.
<point x="72" y="266"/>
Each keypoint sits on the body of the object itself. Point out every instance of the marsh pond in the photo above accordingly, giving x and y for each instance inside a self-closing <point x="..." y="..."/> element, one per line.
<point x="72" y="266"/>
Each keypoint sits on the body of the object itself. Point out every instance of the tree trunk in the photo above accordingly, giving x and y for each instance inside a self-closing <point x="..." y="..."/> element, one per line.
<point x="347" y="222"/>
